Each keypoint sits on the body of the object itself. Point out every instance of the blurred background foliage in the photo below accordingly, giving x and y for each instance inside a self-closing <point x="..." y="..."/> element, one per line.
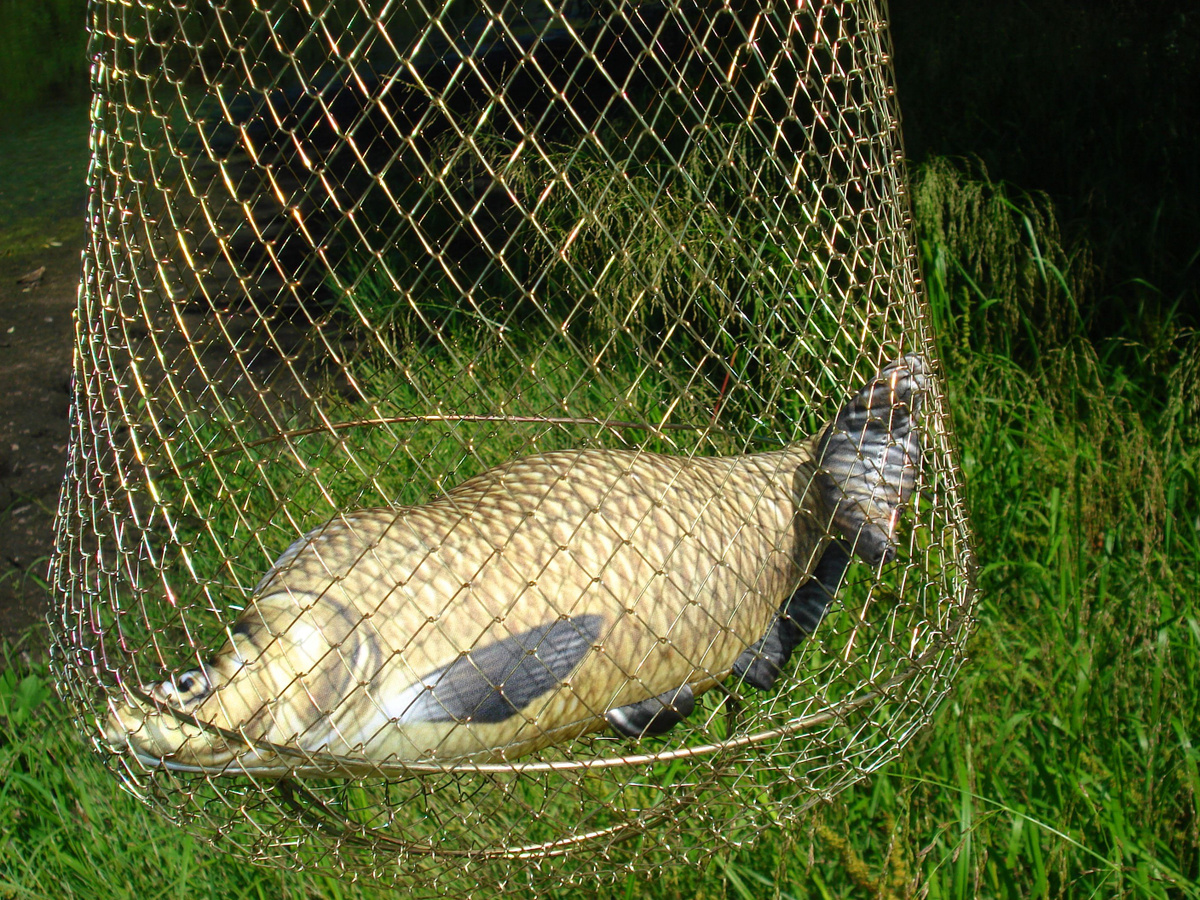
<point x="1091" y="101"/>
<point x="43" y="55"/>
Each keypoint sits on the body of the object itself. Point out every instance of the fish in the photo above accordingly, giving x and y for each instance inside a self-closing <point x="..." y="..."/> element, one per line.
<point x="546" y="598"/>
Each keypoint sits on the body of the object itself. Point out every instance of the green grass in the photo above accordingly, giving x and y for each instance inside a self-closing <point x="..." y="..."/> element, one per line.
<point x="655" y="258"/>
<point x="1065" y="762"/>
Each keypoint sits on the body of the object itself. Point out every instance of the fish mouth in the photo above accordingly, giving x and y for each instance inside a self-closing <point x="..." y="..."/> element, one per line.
<point x="169" y="739"/>
<point x="159" y="735"/>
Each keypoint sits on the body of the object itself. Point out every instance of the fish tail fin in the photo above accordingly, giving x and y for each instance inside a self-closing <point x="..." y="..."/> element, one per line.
<point x="869" y="455"/>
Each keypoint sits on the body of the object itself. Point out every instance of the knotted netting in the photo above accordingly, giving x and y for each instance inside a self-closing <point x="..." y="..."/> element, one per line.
<point x="508" y="440"/>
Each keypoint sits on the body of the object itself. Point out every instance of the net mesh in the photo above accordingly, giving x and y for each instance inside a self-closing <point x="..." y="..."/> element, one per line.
<point x="344" y="257"/>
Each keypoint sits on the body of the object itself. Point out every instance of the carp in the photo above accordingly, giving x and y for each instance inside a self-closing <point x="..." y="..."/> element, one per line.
<point x="546" y="598"/>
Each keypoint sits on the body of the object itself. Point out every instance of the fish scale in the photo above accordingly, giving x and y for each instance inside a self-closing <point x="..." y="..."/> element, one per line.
<point x="524" y="605"/>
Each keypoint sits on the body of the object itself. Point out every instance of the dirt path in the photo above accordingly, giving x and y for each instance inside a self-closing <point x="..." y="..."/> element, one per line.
<point x="43" y="164"/>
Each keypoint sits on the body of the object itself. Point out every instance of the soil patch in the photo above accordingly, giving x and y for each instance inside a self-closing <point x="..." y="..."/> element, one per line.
<point x="43" y="163"/>
<point x="36" y="337"/>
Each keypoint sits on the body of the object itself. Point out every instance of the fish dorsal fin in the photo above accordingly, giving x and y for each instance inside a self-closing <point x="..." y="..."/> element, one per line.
<point x="869" y="455"/>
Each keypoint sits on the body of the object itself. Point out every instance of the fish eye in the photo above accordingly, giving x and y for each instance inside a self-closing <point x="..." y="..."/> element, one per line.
<point x="187" y="682"/>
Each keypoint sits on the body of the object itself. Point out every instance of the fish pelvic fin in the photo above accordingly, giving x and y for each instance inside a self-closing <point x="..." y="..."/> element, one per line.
<point x="869" y="455"/>
<point x="654" y="715"/>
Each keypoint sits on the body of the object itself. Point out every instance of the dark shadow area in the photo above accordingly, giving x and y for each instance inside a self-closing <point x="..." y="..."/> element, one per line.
<point x="1094" y="102"/>
<point x="42" y="204"/>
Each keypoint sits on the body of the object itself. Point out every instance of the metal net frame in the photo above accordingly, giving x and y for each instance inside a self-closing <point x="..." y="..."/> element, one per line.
<point x="347" y="255"/>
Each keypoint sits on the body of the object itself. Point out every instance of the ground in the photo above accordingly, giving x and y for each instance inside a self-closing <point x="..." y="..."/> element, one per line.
<point x="42" y="202"/>
<point x="35" y="369"/>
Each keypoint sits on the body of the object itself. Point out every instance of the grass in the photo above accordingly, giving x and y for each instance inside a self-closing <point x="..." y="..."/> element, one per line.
<point x="1065" y="764"/>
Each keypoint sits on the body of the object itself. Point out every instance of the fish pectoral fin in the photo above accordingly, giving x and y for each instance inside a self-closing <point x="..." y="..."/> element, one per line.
<point x="492" y="683"/>
<point x="761" y="663"/>
<point x="869" y="455"/>
<point x="654" y="715"/>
